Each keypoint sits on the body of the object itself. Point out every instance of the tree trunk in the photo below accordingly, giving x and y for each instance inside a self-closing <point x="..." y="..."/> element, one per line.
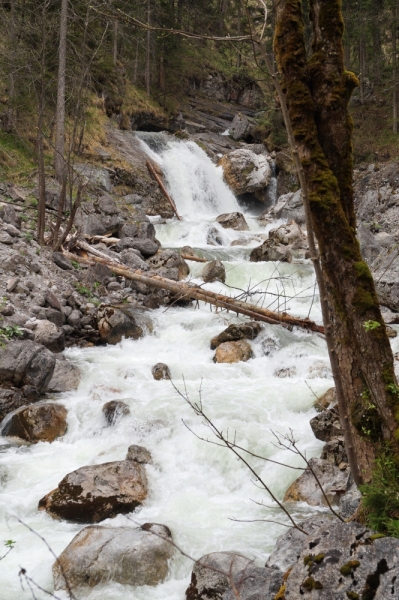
<point x="395" y="70"/>
<point x="318" y="90"/>
<point x="59" y="162"/>
<point x="148" y="52"/>
<point x="9" y="122"/>
<point x="115" y="42"/>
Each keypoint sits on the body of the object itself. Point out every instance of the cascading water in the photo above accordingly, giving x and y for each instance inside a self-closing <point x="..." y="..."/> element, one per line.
<point x="194" y="488"/>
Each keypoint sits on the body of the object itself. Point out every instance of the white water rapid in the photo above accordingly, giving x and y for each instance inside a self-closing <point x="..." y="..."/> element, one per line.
<point x="195" y="488"/>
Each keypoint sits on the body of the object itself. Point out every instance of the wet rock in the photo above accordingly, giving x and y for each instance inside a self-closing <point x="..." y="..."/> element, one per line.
<point x="66" y="377"/>
<point x="50" y="336"/>
<point x="213" y="237"/>
<point x="96" y="492"/>
<point x="115" y="410"/>
<point x="290" y="543"/>
<point x="344" y="560"/>
<point x="10" y="400"/>
<point x="61" y="261"/>
<point x="211" y="573"/>
<point x="240" y="128"/>
<point x="139" y="454"/>
<point x="232" y="352"/>
<point x="326" y="400"/>
<point x="233" y="333"/>
<point x="289" y="206"/>
<point x="282" y="244"/>
<point x="255" y="583"/>
<point x="306" y="489"/>
<point x="269" y="251"/>
<point x="40" y="422"/>
<point x="350" y="502"/>
<point x="235" y="220"/>
<point x="26" y="364"/>
<point x="168" y="259"/>
<point x="160" y="371"/>
<point x="117" y="322"/>
<point x="125" y="555"/>
<point x="246" y="172"/>
<point x="214" y="271"/>
<point x="285" y="372"/>
<point x="326" y="425"/>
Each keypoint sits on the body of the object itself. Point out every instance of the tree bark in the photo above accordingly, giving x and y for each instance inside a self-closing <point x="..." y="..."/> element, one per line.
<point x="148" y="52"/>
<point x="318" y="90"/>
<point x="395" y="70"/>
<point x="59" y="162"/>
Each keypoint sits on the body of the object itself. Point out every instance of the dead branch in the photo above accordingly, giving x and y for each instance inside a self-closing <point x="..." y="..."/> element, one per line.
<point x="193" y="258"/>
<point x="159" y="181"/>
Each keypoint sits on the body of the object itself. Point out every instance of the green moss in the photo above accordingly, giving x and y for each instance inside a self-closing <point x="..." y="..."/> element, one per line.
<point x="311" y="584"/>
<point x="349" y="567"/>
<point x="281" y="593"/>
<point x="363" y="271"/>
<point x="376" y="536"/>
<point x="352" y="595"/>
<point x="363" y="300"/>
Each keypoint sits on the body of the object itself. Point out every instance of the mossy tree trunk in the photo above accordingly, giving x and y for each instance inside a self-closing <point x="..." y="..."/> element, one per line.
<point x="318" y="90"/>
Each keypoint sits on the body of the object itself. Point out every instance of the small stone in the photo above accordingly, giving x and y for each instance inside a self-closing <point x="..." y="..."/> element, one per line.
<point x="53" y="301"/>
<point x="6" y="238"/>
<point x="12" y="284"/>
<point x="50" y="336"/>
<point x="214" y="271"/>
<point x="160" y="371"/>
<point x="232" y="352"/>
<point x="74" y="318"/>
<point x="114" y="286"/>
<point x="139" y="454"/>
<point x="235" y="220"/>
<point x="115" y="410"/>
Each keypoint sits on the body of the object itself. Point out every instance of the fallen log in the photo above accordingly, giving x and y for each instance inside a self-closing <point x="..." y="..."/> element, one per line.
<point x="159" y="181"/>
<point x="194" y="292"/>
<point x="194" y="258"/>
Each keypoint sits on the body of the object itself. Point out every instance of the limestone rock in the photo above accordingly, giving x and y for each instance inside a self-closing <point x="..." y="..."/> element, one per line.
<point x="9" y="215"/>
<point x="50" y="336"/>
<point x="145" y="246"/>
<point x="213" y="237"/>
<point x="246" y="172"/>
<point x="289" y="206"/>
<point x="116" y="322"/>
<point x="66" y="377"/>
<point x="386" y="276"/>
<point x="235" y="220"/>
<point x="255" y="583"/>
<point x="233" y="333"/>
<point x="168" y="259"/>
<point x="10" y="400"/>
<point x="160" y="371"/>
<point x="139" y="454"/>
<point x="214" y="271"/>
<point x="40" y="422"/>
<point x="115" y="410"/>
<point x="26" y="364"/>
<point x="240" y="128"/>
<point x="306" y="489"/>
<point x="232" y="352"/>
<point x="125" y="555"/>
<point x="369" y="246"/>
<point x="96" y="492"/>
<point x="270" y="251"/>
<point x="131" y="258"/>
<point x="326" y="400"/>
<point x="326" y="425"/>
<point x="61" y="261"/>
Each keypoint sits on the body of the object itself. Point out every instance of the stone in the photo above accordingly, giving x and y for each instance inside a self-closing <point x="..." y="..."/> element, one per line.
<point x="50" y="336"/>
<point x="350" y="502"/>
<point x="40" y="422"/>
<point x="124" y="555"/>
<point x="123" y="321"/>
<point x="9" y="215"/>
<point x="233" y="333"/>
<point x="269" y="251"/>
<point x="145" y="246"/>
<point x="26" y="364"/>
<point x="326" y="425"/>
<point x="133" y="199"/>
<point x="107" y="205"/>
<point x="246" y="172"/>
<point x="114" y="286"/>
<point x="6" y="238"/>
<point x="12" y="230"/>
<point x="255" y="583"/>
<point x="214" y="271"/>
<point x="10" y="400"/>
<point x="55" y="316"/>
<point x="235" y="220"/>
<point x="12" y="284"/>
<point x="132" y="260"/>
<point x="97" y="492"/>
<point x="93" y="225"/>
<point x="128" y="230"/>
<point x="95" y="176"/>
<point x="213" y="237"/>
<point x="240" y="128"/>
<point x="345" y="560"/>
<point x="334" y="452"/>
<point x="326" y="400"/>
<point x="169" y="259"/>
<point x="52" y="300"/>
<point x="306" y="489"/>
<point x="115" y="410"/>
<point x="66" y="377"/>
<point x="74" y="318"/>
<point x="232" y="352"/>
<point x="369" y="246"/>
<point x="211" y="573"/>
<point x="139" y="454"/>
<point x="160" y="371"/>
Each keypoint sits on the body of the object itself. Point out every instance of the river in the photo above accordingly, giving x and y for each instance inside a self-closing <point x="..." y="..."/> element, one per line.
<point x="194" y="487"/>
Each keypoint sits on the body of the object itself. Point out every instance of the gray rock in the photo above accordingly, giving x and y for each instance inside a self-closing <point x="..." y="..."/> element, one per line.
<point x="160" y="371"/>
<point x="133" y="199"/>
<point x="66" y="377"/>
<point x="169" y="259"/>
<point x="74" y="318"/>
<point x="12" y="284"/>
<point x="125" y="555"/>
<point x="213" y="237"/>
<point x="233" y="333"/>
<point x="335" y="453"/>
<point x="93" y="225"/>
<point x="96" y="492"/>
<point x="50" y="336"/>
<point x="128" y="230"/>
<point x="269" y="251"/>
<point x="369" y="246"/>
<point x="8" y="214"/>
<point x="246" y="172"/>
<point x="6" y="238"/>
<point x="107" y="205"/>
<point x="12" y="230"/>
<point x="235" y="220"/>
<point x="211" y="574"/>
<point x="114" y="286"/>
<point x="214" y="271"/>
<point x="240" y="128"/>
<point x="145" y="246"/>
<point x="385" y="271"/>
<point x="55" y="316"/>
<point x="350" y="502"/>
<point x="116" y="322"/>
<point x="95" y="175"/>
<point x="326" y="425"/>
<point x="52" y="300"/>
<point x="114" y="410"/>
<point x="131" y="259"/>
<point x="307" y="489"/>
<point x="40" y="422"/>
<point x="256" y="583"/>
<point x="289" y="206"/>
<point x="26" y="364"/>
<point x="139" y="454"/>
<point x="10" y="400"/>
<point x="350" y="564"/>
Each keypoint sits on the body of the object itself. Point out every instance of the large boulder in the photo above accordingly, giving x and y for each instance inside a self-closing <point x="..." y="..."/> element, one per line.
<point x="255" y="583"/>
<point x="246" y="172"/>
<point x="214" y="271"/>
<point x="146" y="246"/>
<point x="10" y="400"/>
<point x="169" y="264"/>
<point x="233" y="333"/>
<point x="96" y="492"/>
<point x="386" y="277"/>
<point x="369" y="246"/>
<point x="240" y="128"/>
<point x="123" y="321"/>
<point x="284" y="243"/>
<point x="232" y="352"/>
<point x="27" y="365"/>
<point x="40" y="422"/>
<point x="270" y="251"/>
<point x="345" y="560"/>
<point x="326" y="425"/>
<point x="66" y="377"/>
<point x="49" y="335"/>
<point x="289" y="206"/>
<point x="234" y="220"/>
<point x="125" y="555"/>
<point x="132" y="259"/>
<point x="307" y="489"/>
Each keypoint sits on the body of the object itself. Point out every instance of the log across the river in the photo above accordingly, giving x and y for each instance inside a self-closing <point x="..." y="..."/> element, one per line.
<point x="195" y="292"/>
